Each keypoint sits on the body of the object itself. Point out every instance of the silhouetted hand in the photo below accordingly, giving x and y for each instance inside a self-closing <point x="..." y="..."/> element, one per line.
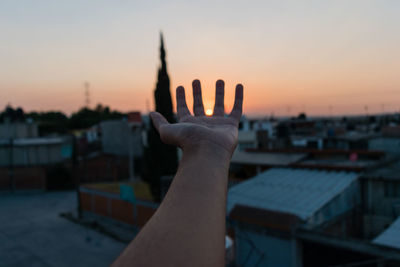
<point x="200" y="130"/>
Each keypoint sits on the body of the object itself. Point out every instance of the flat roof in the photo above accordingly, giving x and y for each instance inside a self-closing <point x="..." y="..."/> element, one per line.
<point x="33" y="141"/>
<point x="388" y="172"/>
<point x="300" y="192"/>
<point x="265" y="158"/>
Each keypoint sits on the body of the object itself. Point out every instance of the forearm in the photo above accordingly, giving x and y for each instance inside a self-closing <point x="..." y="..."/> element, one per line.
<point x="188" y="229"/>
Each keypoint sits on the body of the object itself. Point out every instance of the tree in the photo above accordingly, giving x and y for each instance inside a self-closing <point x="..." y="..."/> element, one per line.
<point x="50" y="122"/>
<point x="160" y="159"/>
<point x="86" y="117"/>
<point x="12" y="115"/>
<point x="302" y="116"/>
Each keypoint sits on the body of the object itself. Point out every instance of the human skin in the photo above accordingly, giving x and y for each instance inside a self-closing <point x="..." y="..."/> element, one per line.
<point x="188" y="229"/>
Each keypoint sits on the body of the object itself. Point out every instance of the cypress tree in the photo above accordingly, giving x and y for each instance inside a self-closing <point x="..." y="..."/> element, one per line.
<point x="161" y="159"/>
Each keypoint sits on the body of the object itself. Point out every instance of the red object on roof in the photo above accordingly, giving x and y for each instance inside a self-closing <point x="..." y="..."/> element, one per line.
<point x="134" y="117"/>
<point x="353" y="157"/>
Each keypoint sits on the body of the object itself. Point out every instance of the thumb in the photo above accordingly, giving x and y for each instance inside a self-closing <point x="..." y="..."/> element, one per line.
<point x="168" y="132"/>
<point x="158" y="120"/>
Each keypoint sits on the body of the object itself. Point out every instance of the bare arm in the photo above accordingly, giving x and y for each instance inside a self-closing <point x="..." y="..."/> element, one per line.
<point x="188" y="229"/>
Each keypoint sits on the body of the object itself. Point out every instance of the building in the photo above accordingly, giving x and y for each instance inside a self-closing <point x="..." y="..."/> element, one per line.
<point x="246" y="164"/>
<point x="29" y="163"/>
<point x="35" y="151"/>
<point x="303" y="217"/>
<point x="18" y="130"/>
<point x="381" y="198"/>
<point x="266" y="210"/>
<point x="121" y="137"/>
<point x="247" y="139"/>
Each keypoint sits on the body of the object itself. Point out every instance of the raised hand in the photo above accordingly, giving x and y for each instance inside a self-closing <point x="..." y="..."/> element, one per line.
<point x="199" y="130"/>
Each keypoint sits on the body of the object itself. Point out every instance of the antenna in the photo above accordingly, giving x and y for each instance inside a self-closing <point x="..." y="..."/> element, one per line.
<point x="366" y="109"/>
<point x="87" y="94"/>
<point x="288" y="109"/>
<point x="147" y="106"/>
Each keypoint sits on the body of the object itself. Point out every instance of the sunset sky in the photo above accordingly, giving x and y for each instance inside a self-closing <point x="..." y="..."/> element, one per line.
<point x="321" y="57"/>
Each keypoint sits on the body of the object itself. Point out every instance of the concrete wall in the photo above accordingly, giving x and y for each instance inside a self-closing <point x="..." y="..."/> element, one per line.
<point x="253" y="248"/>
<point x="387" y="144"/>
<point x="18" y="130"/>
<point x="117" y="138"/>
<point x="31" y="154"/>
<point x="381" y="206"/>
<point x="247" y="139"/>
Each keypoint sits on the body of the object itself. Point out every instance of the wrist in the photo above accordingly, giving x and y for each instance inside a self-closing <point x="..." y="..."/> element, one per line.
<point x="208" y="149"/>
<point x="206" y="154"/>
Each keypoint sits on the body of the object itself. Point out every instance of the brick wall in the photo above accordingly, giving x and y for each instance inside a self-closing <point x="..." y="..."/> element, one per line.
<point x="25" y="178"/>
<point x="110" y="205"/>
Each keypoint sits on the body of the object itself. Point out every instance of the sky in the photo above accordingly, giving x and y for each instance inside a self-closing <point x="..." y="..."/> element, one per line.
<point x="319" y="57"/>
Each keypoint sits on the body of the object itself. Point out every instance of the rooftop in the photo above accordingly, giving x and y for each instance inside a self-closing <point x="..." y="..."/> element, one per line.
<point x="300" y="192"/>
<point x="34" y="141"/>
<point x="391" y="236"/>
<point x="266" y="159"/>
<point x="388" y="172"/>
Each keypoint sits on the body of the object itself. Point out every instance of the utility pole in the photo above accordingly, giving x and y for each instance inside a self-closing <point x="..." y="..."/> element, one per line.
<point x="11" y="166"/>
<point x="289" y="108"/>
<point x="87" y="94"/>
<point x="147" y="106"/>
<point x="131" y="131"/>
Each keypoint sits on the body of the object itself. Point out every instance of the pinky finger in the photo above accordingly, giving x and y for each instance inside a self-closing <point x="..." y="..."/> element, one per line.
<point x="238" y="105"/>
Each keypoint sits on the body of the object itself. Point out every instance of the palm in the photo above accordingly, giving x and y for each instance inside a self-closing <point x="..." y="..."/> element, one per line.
<point x="199" y="129"/>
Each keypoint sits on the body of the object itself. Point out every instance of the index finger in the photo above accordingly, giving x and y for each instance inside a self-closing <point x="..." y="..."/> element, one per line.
<point x="238" y="105"/>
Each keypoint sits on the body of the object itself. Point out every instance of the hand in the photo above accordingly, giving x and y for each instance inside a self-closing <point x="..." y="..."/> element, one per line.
<point x="200" y="130"/>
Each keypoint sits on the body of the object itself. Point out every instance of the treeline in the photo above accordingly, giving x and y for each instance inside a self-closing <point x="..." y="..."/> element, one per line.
<point x="59" y="122"/>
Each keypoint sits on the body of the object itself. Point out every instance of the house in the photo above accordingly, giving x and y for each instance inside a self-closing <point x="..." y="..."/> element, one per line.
<point x="28" y="163"/>
<point x="247" y="139"/>
<point x="388" y="141"/>
<point x="121" y="137"/>
<point x="18" y="130"/>
<point x="249" y="163"/>
<point x="265" y="211"/>
<point x="304" y="217"/>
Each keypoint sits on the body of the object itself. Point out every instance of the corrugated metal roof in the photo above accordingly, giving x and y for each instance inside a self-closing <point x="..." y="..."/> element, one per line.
<point x="296" y="191"/>
<point x="391" y="236"/>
